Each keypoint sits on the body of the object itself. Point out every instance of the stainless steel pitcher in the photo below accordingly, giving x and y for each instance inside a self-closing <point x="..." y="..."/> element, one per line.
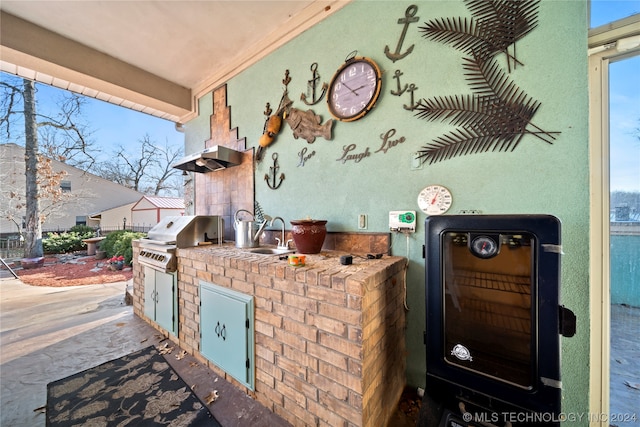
<point x="248" y="232"/>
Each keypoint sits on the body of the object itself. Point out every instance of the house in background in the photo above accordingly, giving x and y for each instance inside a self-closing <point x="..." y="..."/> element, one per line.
<point x="116" y="218"/>
<point x="87" y="193"/>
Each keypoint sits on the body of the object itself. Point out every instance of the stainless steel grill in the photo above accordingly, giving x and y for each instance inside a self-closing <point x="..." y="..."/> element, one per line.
<point x="163" y="259"/>
<point x="158" y="249"/>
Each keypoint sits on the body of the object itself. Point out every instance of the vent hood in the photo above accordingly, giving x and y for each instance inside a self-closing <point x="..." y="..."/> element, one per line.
<point x="212" y="159"/>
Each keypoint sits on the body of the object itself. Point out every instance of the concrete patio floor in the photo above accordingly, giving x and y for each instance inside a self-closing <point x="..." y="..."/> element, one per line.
<point x="625" y="366"/>
<point x="50" y="333"/>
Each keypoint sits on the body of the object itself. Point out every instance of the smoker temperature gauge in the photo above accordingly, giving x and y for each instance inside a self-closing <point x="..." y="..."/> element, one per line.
<point x="484" y="247"/>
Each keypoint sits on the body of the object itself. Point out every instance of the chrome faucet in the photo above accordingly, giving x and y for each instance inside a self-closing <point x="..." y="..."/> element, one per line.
<point x="281" y="242"/>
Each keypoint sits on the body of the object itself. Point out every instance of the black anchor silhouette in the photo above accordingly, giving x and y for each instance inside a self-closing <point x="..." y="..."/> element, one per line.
<point x="400" y="90"/>
<point x="274" y="172"/>
<point x="409" y="17"/>
<point x="312" y="84"/>
<point x="411" y="89"/>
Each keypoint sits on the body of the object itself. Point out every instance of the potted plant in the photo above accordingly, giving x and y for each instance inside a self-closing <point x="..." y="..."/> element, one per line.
<point x="116" y="262"/>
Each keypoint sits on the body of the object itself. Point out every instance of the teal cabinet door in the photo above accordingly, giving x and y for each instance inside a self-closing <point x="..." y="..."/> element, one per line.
<point x="226" y="328"/>
<point x="166" y="301"/>
<point x="161" y="298"/>
<point x="150" y="293"/>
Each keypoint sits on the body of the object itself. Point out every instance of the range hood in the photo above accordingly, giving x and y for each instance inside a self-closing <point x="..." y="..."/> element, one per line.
<point x="212" y="159"/>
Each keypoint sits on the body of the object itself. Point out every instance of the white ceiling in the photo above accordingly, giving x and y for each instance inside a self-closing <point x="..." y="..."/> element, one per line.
<point x="196" y="45"/>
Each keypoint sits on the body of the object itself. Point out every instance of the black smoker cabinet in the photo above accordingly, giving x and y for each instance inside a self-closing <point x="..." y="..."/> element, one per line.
<point x="493" y="321"/>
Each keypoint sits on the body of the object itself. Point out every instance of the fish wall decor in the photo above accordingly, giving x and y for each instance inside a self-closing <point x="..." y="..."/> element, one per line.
<point x="307" y="125"/>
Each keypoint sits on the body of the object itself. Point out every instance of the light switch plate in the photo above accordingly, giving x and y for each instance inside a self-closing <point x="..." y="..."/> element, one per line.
<point x="416" y="162"/>
<point x="362" y="222"/>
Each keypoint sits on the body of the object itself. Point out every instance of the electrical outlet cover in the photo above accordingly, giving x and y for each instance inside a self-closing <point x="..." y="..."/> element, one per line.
<point x="402" y="221"/>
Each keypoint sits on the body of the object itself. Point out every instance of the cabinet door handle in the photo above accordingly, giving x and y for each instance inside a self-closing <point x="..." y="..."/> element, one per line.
<point x="217" y="330"/>
<point x="223" y="332"/>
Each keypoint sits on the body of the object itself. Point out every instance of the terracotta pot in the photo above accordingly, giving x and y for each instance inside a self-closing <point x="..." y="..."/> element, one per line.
<point x="308" y="235"/>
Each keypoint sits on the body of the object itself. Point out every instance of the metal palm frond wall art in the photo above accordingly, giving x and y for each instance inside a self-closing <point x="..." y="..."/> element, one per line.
<point x="496" y="25"/>
<point x="497" y="115"/>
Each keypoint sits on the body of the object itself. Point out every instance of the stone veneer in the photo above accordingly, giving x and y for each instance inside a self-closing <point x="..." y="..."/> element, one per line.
<point x="329" y="338"/>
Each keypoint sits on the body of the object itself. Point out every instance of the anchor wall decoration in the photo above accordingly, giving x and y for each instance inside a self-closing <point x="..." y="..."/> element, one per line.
<point x="400" y="90"/>
<point x="409" y="17"/>
<point x="273" y="172"/>
<point x="407" y="88"/>
<point x="312" y="85"/>
<point x="412" y="88"/>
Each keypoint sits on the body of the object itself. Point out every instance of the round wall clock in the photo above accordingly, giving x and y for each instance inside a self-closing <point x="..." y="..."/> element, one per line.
<point x="354" y="89"/>
<point x="434" y="200"/>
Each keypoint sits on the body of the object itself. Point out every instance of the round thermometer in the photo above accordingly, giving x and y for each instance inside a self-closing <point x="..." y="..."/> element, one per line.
<point x="484" y="247"/>
<point x="435" y="200"/>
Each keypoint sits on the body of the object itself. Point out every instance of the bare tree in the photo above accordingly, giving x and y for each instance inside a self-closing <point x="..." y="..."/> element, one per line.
<point x="33" y="228"/>
<point x="62" y="136"/>
<point x="168" y="180"/>
<point x="147" y="170"/>
<point x="13" y="188"/>
<point x="19" y="104"/>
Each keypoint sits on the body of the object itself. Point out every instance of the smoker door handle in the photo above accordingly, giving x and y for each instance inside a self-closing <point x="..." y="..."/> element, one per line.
<point x="567" y="322"/>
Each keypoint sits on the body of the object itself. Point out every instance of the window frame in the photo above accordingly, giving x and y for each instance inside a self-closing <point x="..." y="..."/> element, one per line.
<point x="65" y="186"/>
<point x="607" y="44"/>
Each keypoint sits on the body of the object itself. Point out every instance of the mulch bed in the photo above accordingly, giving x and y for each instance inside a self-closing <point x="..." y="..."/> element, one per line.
<point x="76" y="271"/>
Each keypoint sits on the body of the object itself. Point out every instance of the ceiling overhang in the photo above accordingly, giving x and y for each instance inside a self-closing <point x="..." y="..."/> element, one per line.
<point x="46" y="57"/>
<point x="139" y="66"/>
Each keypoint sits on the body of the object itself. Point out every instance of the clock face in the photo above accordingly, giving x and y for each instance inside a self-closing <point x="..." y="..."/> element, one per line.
<point x="435" y="200"/>
<point x="354" y="89"/>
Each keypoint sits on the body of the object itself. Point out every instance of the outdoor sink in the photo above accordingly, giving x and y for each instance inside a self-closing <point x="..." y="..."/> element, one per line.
<point x="270" y="251"/>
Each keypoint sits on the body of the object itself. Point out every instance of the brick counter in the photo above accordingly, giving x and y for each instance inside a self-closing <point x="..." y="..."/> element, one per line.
<point x="329" y="338"/>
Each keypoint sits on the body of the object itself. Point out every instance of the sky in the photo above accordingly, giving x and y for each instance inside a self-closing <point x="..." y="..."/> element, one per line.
<point x="624" y="117"/>
<point x="624" y="102"/>
<point x="604" y="11"/>
<point x="115" y="126"/>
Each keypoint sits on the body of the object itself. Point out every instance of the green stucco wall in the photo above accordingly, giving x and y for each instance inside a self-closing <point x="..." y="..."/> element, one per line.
<point x="534" y="178"/>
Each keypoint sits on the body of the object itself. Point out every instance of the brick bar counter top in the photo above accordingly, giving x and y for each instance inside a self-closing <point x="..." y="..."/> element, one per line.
<point x="329" y="338"/>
